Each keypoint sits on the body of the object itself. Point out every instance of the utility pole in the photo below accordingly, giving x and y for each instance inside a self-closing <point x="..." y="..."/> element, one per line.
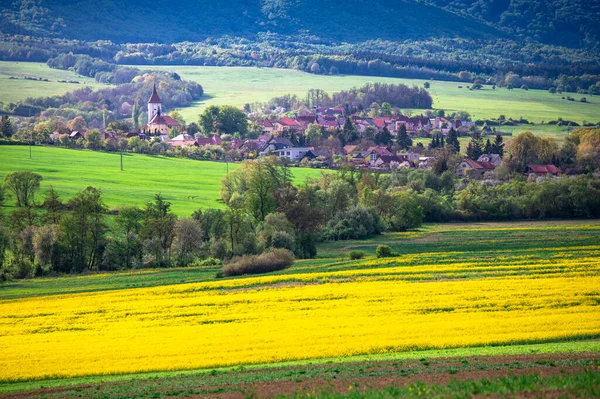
<point x="121" y="161"/>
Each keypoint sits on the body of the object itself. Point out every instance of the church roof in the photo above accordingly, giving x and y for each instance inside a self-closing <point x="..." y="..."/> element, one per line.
<point x="164" y="120"/>
<point x="154" y="98"/>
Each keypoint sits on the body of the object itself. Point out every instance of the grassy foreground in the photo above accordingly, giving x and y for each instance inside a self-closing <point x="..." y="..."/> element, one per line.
<point x="187" y="184"/>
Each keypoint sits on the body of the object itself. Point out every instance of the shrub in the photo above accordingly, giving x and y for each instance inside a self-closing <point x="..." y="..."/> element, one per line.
<point x="356" y="255"/>
<point x="282" y="239"/>
<point x="384" y="251"/>
<point x="277" y="259"/>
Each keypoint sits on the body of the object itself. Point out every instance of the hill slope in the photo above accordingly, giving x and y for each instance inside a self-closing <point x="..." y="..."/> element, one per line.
<point x="179" y="20"/>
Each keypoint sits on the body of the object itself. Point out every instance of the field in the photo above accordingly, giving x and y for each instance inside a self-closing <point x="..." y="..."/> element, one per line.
<point x="457" y="303"/>
<point x="239" y="85"/>
<point x="187" y="184"/>
<point x="13" y="90"/>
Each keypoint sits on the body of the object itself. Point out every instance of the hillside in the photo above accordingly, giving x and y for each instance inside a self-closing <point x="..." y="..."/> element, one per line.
<point x="178" y="20"/>
<point x="558" y="22"/>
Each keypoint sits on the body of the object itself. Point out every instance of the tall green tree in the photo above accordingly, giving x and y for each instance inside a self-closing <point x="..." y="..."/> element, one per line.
<point x="498" y="146"/>
<point x="452" y="140"/>
<point x="404" y="141"/>
<point x="475" y="147"/>
<point x="6" y="129"/>
<point x="349" y="133"/>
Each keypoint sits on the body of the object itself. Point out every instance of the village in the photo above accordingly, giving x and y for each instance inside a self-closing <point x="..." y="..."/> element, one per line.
<point x="383" y="143"/>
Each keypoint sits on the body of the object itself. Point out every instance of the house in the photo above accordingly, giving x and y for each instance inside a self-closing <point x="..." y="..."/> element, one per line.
<point x="350" y="148"/>
<point x="182" y="140"/>
<point x="274" y="144"/>
<point x="292" y="153"/>
<point x="381" y="150"/>
<point x="468" y="166"/>
<point x="387" y="162"/>
<point x="543" y="170"/>
<point x="361" y="157"/>
<point x="412" y="157"/>
<point x="77" y="135"/>
<point x="268" y="126"/>
<point x="204" y="141"/>
<point x="494" y="159"/>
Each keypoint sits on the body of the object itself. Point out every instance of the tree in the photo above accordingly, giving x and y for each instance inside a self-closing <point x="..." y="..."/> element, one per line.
<point x="173" y="132"/>
<point x="475" y="147"/>
<point x="82" y="231"/>
<point x="175" y="114"/>
<point x="77" y="124"/>
<point x="349" y="133"/>
<point x="313" y="134"/>
<point x="498" y="146"/>
<point x="386" y="109"/>
<point x="188" y="241"/>
<point x="23" y="186"/>
<point x="384" y="137"/>
<point x="452" y="140"/>
<point x="53" y="206"/>
<point x="224" y="119"/>
<point x="526" y="148"/>
<point x="488" y="147"/>
<point x="159" y="229"/>
<point x="44" y="240"/>
<point x="426" y="85"/>
<point x="403" y="140"/>
<point x="6" y="129"/>
<point x="135" y="116"/>
<point x="93" y="139"/>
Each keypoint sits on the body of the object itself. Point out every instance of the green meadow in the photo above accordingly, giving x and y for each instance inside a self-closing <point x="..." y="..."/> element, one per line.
<point x="241" y="85"/>
<point x="13" y="90"/>
<point x="187" y="184"/>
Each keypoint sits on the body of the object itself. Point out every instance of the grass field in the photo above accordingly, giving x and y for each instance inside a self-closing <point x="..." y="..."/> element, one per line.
<point x="239" y="85"/>
<point x="188" y="185"/>
<point x="13" y="90"/>
<point x="456" y="291"/>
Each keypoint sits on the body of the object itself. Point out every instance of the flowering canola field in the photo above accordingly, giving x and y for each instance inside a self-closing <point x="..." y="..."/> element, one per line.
<point x="271" y="319"/>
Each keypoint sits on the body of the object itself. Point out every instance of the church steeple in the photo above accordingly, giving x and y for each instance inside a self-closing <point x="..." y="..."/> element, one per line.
<point x="154" y="105"/>
<point x="154" y="99"/>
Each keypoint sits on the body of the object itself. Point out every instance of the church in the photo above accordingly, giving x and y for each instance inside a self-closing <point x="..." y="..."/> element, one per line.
<point x="158" y="124"/>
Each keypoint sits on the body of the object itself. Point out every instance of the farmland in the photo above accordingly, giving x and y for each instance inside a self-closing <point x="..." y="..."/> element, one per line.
<point x="239" y="85"/>
<point x="452" y="291"/>
<point x="13" y="90"/>
<point x="188" y="184"/>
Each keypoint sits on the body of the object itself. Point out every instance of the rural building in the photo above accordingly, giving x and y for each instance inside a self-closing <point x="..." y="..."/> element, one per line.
<point x="158" y="124"/>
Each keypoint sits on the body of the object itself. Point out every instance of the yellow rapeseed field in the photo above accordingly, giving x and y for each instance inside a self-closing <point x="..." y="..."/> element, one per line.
<point x="345" y="313"/>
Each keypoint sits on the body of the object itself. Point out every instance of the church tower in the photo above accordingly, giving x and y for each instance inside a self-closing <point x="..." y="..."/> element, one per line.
<point x="154" y="105"/>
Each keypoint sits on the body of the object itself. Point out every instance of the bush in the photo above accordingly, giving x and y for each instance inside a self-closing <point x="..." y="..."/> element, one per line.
<point x="354" y="255"/>
<point x="384" y="251"/>
<point x="282" y="239"/>
<point x="277" y="259"/>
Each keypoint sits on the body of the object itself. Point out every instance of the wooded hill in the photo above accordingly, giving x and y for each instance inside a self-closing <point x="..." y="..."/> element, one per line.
<point x="556" y="22"/>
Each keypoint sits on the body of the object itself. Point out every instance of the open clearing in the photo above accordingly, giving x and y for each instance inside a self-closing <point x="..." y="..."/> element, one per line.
<point x="241" y="85"/>
<point x="471" y="302"/>
<point x="13" y="90"/>
<point x="187" y="184"/>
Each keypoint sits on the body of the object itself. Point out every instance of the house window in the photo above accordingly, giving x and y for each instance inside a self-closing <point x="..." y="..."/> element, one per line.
<point x="287" y="153"/>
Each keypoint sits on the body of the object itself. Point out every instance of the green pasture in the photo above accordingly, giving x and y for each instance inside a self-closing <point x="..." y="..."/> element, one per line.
<point x="491" y="246"/>
<point x="187" y="184"/>
<point x="241" y="85"/>
<point x="13" y="90"/>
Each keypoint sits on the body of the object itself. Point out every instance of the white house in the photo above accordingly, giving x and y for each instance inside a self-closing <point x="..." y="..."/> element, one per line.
<point x="292" y="153"/>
